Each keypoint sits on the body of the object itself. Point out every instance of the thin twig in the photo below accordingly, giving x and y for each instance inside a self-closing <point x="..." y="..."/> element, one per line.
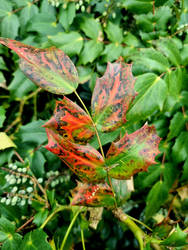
<point x="25" y="224"/>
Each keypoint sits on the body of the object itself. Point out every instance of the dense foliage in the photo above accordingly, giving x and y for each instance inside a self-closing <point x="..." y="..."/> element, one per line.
<point x="35" y="184"/>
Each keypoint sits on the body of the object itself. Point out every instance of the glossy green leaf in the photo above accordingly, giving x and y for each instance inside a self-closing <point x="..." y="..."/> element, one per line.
<point x="2" y="116"/>
<point x="114" y="33"/>
<point x="71" y="43"/>
<point x="67" y="15"/>
<point x="9" y="26"/>
<point x="112" y="96"/>
<point x="92" y="29"/>
<point x="170" y="174"/>
<point x="44" y="24"/>
<point x="138" y="6"/>
<point x="37" y="164"/>
<point x="91" y="51"/>
<point x="185" y="171"/>
<point x="169" y="48"/>
<point x="180" y="148"/>
<point x="184" y="54"/>
<point x="152" y="92"/>
<point x="112" y="52"/>
<point x="27" y="13"/>
<point x="71" y="122"/>
<point x="153" y="60"/>
<point x="176" y="125"/>
<point x="40" y="217"/>
<point x="121" y="191"/>
<point x="99" y="195"/>
<point x="50" y="68"/>
<point x="83" y="160"/>
<point x="36" y="239"/>
<point x="177" y="238"/>
<point x="5" y="7"/>
<point x="133" y="153"/>
<point x="156" y="197"/>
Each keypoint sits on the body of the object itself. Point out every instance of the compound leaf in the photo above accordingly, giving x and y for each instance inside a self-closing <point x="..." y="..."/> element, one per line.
<point x="83" y="160"/>
<point x="98" y="195"/>
<point x="71" y="121"/>
<point x="112" y="95"/>
<point x="49" y="68"/>
<point x="133" y="153"/>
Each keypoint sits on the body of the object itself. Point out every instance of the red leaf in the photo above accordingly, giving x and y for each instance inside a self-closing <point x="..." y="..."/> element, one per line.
<point x="99" y="195"/>
<point x="71" y="122"/>
<point x="112" y="96"/>
<point x="49" y="68"/>
<point x="83" y="160"/>
<point x="133" y="153"/>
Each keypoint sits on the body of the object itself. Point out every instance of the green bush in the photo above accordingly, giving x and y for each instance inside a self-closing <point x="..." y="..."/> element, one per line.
<point x="35" y="184"/>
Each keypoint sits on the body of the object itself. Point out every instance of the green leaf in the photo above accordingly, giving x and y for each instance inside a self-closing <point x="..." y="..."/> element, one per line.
<point x="170" y="50"/>
<point x="13" y="242"/>
<point x="67" y="15"/>
<point x="5" y="141"/>
<point x="185" y="171"/>
<point x="162" y="16"/>
<point x="131" y="40"/>
<point x="121" y="190"/>
<point x="2" y="116"/>
<point x="40" y="217"/>
<point x="170" y="174"/>
<point x="156" y="197"/>
<point x="5" y="7"/>
<point x="112" y="52"/>
<point x="44" y="24"/>
<point x="50" y="68"/>
<point x="138" y="6"/>
<point x="184" y="54"/>
<point x="27" y="13"/>
<point x="152" y="91"/>
<point x="174" y="83"/>
<point x="176" y="125"/>
<point x="36" y="239"/>
<point x="20" y="86"/>
<point x="114" y="33"/>
<point x="92" y="28"/>
<point x="33" y="132"/>
<point x="9" y="26"/>
<point x="133" y="153"/>
<point x="37" y="165"/>
<point x="180" y="148"/>
<point x="71" y="43"/>
<point x="153" y="60"/>
<point x="177" y="238"/>
<point x="91" y="51"/>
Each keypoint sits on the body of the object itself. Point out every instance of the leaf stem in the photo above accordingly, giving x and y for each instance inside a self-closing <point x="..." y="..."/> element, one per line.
<point x="69" y="228"/>
<point x="138" y="233"/>
<point x="82" y="238"/>
<point x="96" y="132"/>
<point x="59" y="208"/>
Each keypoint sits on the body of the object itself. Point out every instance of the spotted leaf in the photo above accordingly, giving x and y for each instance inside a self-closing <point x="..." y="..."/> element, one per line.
<point x="112" y="96"/>
<point x="51" y="69"/>
<point x="72" y="122"/>
<point x="83" y="160"/>
<point x="87" y="194"/>
<point x="133" y="153"/>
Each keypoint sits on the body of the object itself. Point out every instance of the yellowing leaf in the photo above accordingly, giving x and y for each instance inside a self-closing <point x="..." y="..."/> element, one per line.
<point x="5" y="141"/>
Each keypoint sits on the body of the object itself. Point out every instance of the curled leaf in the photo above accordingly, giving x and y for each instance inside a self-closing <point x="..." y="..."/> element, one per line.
<point x="133" y="153"/>
<point x="87" y="194"/>
<point x="51" y="69"/>
<point x="71" y="122"/>
<point x="83" y="160"/>
<point x="112" y="96"/>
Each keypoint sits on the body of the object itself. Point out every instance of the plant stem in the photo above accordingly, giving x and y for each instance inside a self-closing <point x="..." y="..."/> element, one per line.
<point x="69" y="229"/>
<point x="96" y="132"/>
<point x="138" y="233"/>
<point x="82" y="237"/>
<point x="60" y="208"/>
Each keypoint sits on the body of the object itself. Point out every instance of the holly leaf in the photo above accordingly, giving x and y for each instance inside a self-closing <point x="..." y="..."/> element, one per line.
<point x="71" y="122"/>
<point x="133" y="153"/>
<point x="112" y="96"/>
<point x="83" y="160"/>
<point x="87" y="194"/>
<point x="51" y="69"/>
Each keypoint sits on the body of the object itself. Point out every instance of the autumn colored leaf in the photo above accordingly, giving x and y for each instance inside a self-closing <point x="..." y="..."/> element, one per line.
<point x="51" y="69"/>
<point x="72" y="122"/>
<point x="87" y="194"/>
<point x="133" y="153"/>
<point x="112" y="96"/>
<point x="83" y="160"/>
